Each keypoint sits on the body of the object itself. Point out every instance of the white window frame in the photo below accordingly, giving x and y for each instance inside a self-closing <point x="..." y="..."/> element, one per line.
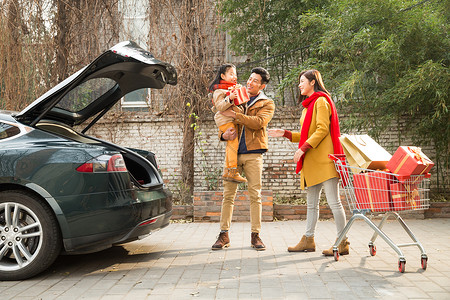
<point x="128" y="9"/>
<point x="136" y="104"/>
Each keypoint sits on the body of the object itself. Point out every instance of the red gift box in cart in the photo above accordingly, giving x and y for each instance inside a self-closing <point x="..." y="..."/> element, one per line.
<point x="372" y="191"/>
<point x="405" y="196"/>
<point x="369" y="191"/>
<point x="408" y="160"/>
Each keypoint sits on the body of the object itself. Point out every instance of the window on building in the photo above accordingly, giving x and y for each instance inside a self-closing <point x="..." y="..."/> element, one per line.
<point x="137" y="100"/>
<point x="135" y="28"/>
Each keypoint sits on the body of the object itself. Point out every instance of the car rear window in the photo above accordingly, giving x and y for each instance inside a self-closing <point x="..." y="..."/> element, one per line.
<point x="8" y="130"/>
<point x="86" y="93"/>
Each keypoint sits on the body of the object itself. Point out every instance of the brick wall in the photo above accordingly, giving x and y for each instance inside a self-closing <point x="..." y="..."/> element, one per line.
<point x="438" y="210"/>
<point x="298" y="212"/>
<point x="163" y="135"/>
<point x="282" y="212"/>
<point x="207" y="206"/>
<point x="207" y="209"/>
<point x="182" y="212"/>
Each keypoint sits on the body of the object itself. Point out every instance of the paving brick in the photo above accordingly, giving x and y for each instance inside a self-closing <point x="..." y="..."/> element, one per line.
<point x="177" y="263"/>
<point x="209" y="211"/>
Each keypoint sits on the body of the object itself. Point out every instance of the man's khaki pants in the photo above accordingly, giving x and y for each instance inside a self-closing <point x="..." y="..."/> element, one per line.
<point x="251" y="165"/>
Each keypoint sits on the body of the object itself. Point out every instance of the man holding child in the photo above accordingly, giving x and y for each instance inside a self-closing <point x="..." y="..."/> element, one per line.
<point x="253" y="143"/>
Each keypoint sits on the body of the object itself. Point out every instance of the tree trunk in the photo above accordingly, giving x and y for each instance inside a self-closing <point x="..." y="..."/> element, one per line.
<point x="61" y="39"/>
<point x="189" y="44"/>
<point x="15" y="80"/>
<point x="187" y="158"/>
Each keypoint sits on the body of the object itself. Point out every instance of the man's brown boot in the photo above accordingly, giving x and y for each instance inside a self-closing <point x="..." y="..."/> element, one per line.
<point x="306" y="244"/>
<point x="223" y="241"/>
<point x="257" y="242"/>
<point x="343" y="248"/>
<point x="232" y="174"/>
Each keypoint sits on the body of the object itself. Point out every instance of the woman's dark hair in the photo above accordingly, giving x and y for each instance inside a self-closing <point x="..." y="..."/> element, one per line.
<point x="222" y="70"/>
<point x="318" y="84"/>
<point x="263" y="73"/>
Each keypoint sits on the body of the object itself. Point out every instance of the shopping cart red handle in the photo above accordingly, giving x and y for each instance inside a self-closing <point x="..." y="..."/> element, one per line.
<point x="336" y="157"/>
<point x="341" y="167"/>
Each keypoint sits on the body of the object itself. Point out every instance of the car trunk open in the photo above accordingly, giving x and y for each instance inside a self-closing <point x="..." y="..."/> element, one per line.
<point x="141" y="164"/>
<point x="83" y="98"/>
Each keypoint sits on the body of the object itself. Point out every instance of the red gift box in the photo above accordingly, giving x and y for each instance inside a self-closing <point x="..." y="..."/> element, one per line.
<point x="408" y="161"/>
<point x="405" y="196"/>
<point x="372" y="190"/>
<point x="242" y="96"/>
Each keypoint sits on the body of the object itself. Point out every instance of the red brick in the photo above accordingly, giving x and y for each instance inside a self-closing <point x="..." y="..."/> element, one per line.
<point x="213" y="213"/>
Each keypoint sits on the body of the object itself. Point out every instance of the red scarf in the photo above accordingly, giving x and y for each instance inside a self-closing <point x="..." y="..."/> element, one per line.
<point x="223" y="85"/>
<point x="335" y="132"/>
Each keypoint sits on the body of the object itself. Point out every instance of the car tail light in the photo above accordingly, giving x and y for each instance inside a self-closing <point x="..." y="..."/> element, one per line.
<point x="104" y="163"/>
<point x="116" y="164"/>
<point x="148" y="222"/>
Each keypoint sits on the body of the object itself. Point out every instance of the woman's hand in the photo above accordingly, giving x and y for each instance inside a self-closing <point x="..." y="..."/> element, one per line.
<point x="298" y="155"/>
<point x="276" y="132"/>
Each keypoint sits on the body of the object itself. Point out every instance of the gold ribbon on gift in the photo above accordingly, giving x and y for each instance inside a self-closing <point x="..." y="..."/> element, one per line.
<point x="409" y="196"/>
<point x="417" y="154"/>
<point x="366" y="176"/>
<point x="412" y="195"/>
<point x="419" y="157"/>
<point x="400" y="165"/>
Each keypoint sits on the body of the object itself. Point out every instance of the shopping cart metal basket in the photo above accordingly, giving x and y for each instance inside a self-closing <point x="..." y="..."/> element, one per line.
<point x="371" y="192"/>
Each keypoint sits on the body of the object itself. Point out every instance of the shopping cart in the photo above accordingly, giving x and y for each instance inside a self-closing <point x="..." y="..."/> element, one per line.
<point x="377" y="192"/>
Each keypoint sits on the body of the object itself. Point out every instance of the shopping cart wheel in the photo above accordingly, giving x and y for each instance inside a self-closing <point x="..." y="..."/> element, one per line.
<point x="372" y="250"/>
<point x="401" y="266"/>
<point x="336" y="255"/>
<point x="424" y="262"/>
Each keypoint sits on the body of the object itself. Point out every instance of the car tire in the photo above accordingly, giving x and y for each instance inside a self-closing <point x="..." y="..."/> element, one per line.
<point x="30" y="240"/>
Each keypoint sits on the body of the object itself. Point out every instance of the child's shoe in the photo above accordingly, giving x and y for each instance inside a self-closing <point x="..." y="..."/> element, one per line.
<point x="232" y="174"/>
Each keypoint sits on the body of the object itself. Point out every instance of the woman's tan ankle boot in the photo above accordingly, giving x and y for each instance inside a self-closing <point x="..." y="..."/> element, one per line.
<point x="343" y="248"/>
<point x="306" y="244"/>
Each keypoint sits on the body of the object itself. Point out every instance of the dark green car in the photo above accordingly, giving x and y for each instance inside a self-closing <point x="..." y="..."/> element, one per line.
<point x="62" y="191"/>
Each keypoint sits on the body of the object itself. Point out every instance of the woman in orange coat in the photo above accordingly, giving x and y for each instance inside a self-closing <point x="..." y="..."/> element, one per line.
<point x="319" y="136"/>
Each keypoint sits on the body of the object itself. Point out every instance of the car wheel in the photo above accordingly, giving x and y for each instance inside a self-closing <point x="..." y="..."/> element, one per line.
<point x="30" y="240"/>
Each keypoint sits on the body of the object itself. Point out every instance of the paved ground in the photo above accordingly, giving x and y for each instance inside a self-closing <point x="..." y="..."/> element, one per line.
<point x="177" y="263"/>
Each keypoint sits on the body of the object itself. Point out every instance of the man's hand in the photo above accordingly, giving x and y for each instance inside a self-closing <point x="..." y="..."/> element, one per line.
<point x="229" y="134"/>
